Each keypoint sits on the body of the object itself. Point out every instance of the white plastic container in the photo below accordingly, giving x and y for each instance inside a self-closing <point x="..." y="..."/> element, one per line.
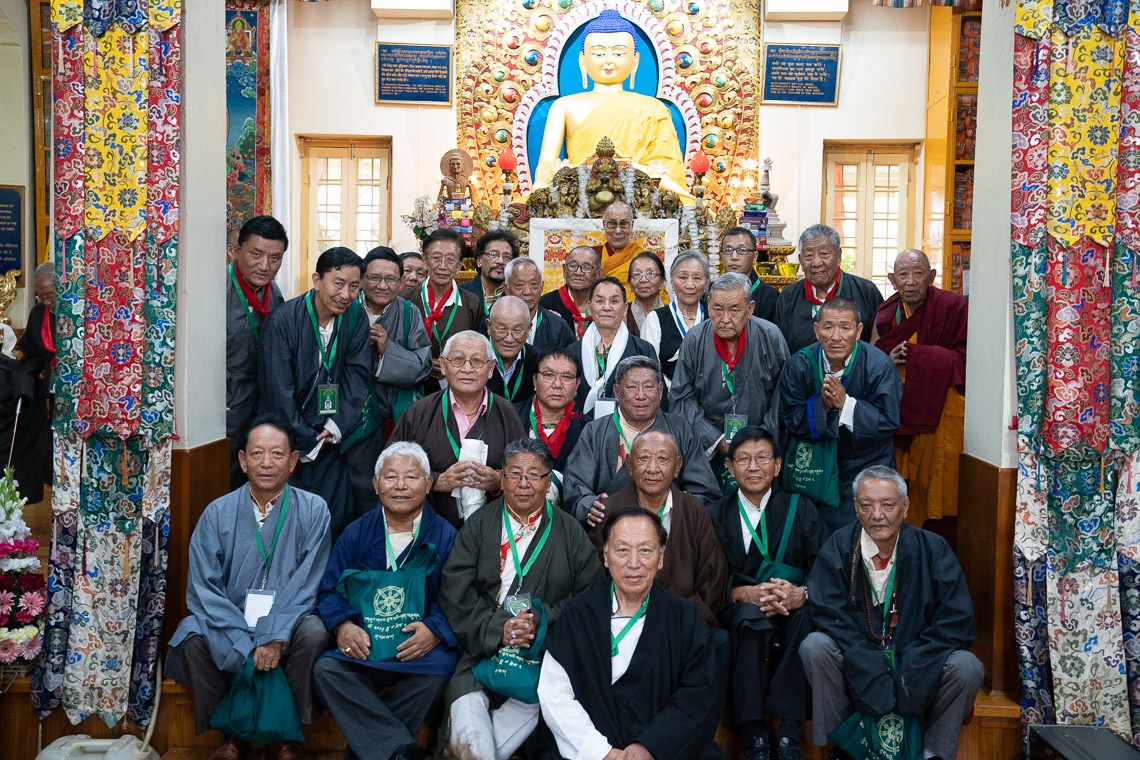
<point x="83" y="747"/>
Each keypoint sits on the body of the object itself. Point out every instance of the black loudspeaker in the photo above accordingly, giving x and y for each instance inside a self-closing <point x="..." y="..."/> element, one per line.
<point x="1078" y="743"/>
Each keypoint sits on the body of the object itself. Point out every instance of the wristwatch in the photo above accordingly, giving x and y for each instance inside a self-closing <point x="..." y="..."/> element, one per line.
<point x="804" y="589"/>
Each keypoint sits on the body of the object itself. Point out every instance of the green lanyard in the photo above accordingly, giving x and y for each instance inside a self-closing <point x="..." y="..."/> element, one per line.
<point x="603" y="356"/>
<point x="615" y="640"/>
<point x="435" y="323"/>
<point x="248" y="311"/>
<point x="729" y="378"/>
<point x="328" y="355"/>
<point x="392" y="564"/>
<point x="890" y="591"/>
<point x="512" y="392"/>
<point x="537" y="322"/>
<point x="762" y="539"/>
<point x="755" y="284"/>
<point x="899" y="311"/>
<point x="621" y="434"/>
<point x="520" y="569"/>
<point x="267" y="559"/>
<point x="444" y="407"/>
<point x="846" y="370"/>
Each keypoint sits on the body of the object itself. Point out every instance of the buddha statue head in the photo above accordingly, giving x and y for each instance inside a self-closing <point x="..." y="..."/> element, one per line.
<point x="609" y="50"/>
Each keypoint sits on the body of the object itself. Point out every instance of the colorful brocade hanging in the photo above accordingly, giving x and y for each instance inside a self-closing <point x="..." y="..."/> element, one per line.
<point x="117" y="114"/>
<point x="1075" y="239"/>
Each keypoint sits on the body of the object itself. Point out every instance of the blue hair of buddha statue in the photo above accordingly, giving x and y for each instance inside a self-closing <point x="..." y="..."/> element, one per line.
<point x="609" y="21"/>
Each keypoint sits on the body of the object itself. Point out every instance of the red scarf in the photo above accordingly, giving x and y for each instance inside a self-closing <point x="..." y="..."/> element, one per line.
<point x="722" y="349"/>
<point x="557" y="436"/>
<point x="435" y="310"/>
<point x="47" y="337"/>
<point x="809" y="290"/>
<point x="580" y="322"/>
<point x="261" y="307"/>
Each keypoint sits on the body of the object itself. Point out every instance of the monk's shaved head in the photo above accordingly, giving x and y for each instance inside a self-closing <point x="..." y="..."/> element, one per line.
<point x="912" y="255"/>
<point x="655" y="437"/>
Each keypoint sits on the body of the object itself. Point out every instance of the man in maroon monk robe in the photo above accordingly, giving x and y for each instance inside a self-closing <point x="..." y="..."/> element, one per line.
<point x="923" y="330"/>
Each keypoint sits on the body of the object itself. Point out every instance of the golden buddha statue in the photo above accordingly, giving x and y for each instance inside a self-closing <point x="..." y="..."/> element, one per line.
<point x="640" y="127"/>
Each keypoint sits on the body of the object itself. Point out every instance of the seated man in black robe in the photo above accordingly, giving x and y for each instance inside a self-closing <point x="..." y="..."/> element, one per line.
<point x="548" y="330"/>
<point x="770" y="544"/>
<point x="629" y="671"/>
<point x="893" y="623"/>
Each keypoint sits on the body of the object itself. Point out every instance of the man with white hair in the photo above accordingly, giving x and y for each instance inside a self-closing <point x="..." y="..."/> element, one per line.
<point x="407" y="537"/>
<point x="893" y="627"/>
<point x="548" y="330"/>
<point x="463" y="410"/>
<point x="726" y="377"/>
<point x="515" y="362"/>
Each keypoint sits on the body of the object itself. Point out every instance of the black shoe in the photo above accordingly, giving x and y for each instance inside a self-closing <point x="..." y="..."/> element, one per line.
<point x="758" y="749"/>
<point x="408" y="752"/>
<point x="837" y="754"/>
<point x="786" y="749"/>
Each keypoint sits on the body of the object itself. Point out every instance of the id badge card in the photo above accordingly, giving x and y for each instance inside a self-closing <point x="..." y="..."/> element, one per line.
<point x="604" y="407"/>
<point x="328" y="399"/>
<point x="257" y="605"/>
<point x="889" y="658"/>
<point x="516" y="603"/>
<point x="733" y="424"/>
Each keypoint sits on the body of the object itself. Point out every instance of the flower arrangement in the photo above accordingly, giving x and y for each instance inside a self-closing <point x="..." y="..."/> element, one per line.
<point x="426" y="218"/>
<point x="23" y="597"/>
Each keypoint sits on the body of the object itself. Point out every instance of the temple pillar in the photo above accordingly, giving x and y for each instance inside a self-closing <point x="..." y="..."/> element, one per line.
<point x="200" y="467"/>
<point x="988" y="471"/>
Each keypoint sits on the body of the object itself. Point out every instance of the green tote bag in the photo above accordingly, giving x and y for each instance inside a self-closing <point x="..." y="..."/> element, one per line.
<point x="259" y="707"/>
<point x="513" y="672"/>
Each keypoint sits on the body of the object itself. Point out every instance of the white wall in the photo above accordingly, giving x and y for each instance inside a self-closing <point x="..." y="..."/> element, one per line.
<point x="332" y="51"/>
<point x="882" y="98"/>
<point x="16" y="137"/>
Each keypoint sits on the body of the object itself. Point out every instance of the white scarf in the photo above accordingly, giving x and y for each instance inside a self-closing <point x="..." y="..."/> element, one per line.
<point x="590" y="360"/>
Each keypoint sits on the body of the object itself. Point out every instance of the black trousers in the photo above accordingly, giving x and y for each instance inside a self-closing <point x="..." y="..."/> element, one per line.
<point x="767" y="673"/>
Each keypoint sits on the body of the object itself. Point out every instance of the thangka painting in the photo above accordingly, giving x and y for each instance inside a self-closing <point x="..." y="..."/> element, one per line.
<point x="698" y="59"/>
<point x="248" y="168"/>
<point x="552" y="239"/>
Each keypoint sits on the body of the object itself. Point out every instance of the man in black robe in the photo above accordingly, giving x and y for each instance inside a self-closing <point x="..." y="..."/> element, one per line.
<point x="845" y="390"/>
<point x="738" y="254"/>
<point x="493" y="251"/>
<point x="515" y="361"/>
<point x="893" y="621"/>
<point x="582" y="268"/>
<point x="596" y="467"/>
<point x="630" y="667"/>
<point x="770" y="548"/>
<point x="548" y="330"/>
<point x="315" y="369"/>
<point x="251" y="294"/>
<point x="26" y="385"/>
<point x="820" y="259"/>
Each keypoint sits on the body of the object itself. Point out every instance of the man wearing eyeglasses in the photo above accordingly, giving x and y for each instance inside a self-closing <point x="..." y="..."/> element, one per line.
<point x="465" y="409"/>
<point x="548" y="331"/>
<point x="620" y="249"/>
<point x="515" y="362"/>
<point x="582" y="268"/>
<point x="493" y="252"/>
<point x="401" y="360"/>
<point x="738" y="254"/>
<point x="447" y="310"/>
<point x="770" y="544"/>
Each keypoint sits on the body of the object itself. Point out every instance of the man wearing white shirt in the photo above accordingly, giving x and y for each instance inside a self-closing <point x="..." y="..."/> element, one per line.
<point x="770" y="544"/>
<point x="548" y="330"/>
<point x="628" y="673"/>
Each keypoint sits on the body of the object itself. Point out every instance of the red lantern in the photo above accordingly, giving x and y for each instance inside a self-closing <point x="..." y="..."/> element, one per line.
<point x="699" y="163"/>
<point x="508" y="161"/>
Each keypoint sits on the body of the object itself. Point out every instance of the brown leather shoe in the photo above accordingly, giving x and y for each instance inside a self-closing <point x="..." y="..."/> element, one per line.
<point x="231" y="748"/>
<point x="286" y="751"/>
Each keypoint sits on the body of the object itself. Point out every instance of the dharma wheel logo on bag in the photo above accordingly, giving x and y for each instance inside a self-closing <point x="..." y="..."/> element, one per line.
<point x="891" y="734"/>
<point x="389" y="601"/>
<point x="803" y="457"/>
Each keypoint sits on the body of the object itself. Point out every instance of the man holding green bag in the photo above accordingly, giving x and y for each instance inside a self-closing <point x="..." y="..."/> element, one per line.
<point x="256" y="559"/>
<point x="889" y="664"/>
<point x="509" y="554"/>
<point x="379" y="599"/>
<point x="839" y="401"/>
<point x="770" y="540"/>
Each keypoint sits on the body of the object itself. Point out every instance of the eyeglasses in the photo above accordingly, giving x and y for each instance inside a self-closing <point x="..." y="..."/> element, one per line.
<point x="549" y="376"/>
<point x="617" y="224"/>
<point x="580" y="268"/>
<point x="759" y="460"/>
<point x="516" y="476"/>
<point x="499" y="256"/>
<point x="442" y="261"/>
<point x="518" y="333"/>
<point x="644" y="276"/>
<point x="375" y="279"/>
<point x="739" y="250"/>
<point x="476" y="362"/>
